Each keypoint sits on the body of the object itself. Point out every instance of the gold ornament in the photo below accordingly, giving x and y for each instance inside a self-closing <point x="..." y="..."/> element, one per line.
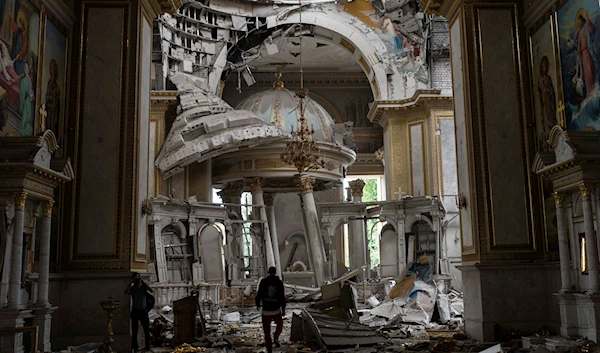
<point x="584" y="189"/>
<point x="558" y="197"/>
<point x="21" y="198"/>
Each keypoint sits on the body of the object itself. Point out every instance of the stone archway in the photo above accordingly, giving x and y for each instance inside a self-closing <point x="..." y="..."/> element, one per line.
<point x="388" y="252"/>
<point x="210" y="249"/>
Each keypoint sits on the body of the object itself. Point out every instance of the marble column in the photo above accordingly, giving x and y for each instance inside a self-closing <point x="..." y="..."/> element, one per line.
<point x="258" y="201"/>
<point x="563" y="244"/>
<point x="574" y="246"/>
<point x="590" y="240"/>
<point x="231" y="195"/>
<point x="16" y="267"/>
<point x="313" y="236"/>
<point x="269" y="201"/>
<point x="359" y="241"/>
<point x="5" y="274"/>
<point x="44" y="261"/>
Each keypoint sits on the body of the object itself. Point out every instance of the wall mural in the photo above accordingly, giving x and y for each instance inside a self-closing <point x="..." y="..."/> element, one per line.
<point x="543" y="63"/>
<point x="399" y="24"/>
<point x="579" y="40"/>
<point x="53" y="80"/>
<point x="19" y="42"/>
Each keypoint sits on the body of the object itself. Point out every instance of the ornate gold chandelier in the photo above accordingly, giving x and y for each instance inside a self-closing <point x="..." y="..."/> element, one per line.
<point x="302" y="150"/>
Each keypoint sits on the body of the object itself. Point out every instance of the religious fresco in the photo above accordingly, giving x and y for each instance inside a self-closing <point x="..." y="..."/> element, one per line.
<point x="19" y="42"/>
<point x="579" y="39"/>
<point x="543" y="63"/>
<point x="53" y="80"/>
<point x="399" y="23"/>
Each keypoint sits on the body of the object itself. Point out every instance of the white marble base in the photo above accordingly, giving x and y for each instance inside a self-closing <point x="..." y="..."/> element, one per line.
<point x="42" y="318"/>
<point x="10" y="318"/>
<point x="588" y="315"/>
<point x="512" y="296"/>
<point x="568" y="314"/>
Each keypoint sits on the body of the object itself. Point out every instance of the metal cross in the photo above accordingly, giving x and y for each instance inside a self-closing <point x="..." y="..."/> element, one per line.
<point x="400" y="193"/>
<point x="43" y="115"/>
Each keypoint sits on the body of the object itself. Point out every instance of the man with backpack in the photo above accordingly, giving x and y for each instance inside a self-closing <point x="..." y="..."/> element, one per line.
<point x="142" y="302"/>
<point x="271" y="294"/>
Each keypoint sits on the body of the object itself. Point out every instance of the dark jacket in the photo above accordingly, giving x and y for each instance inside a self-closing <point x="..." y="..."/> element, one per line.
<point x="271" y="294"/>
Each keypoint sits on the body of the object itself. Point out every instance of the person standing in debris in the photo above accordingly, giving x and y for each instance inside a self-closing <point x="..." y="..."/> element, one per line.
<point x="137" y="289"/>
<point x="271" y="294"/>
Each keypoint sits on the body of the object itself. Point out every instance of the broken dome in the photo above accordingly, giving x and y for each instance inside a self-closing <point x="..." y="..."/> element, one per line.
<point x="206" y="127"/>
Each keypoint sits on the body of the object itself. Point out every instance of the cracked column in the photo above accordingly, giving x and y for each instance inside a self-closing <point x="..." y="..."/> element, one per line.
<point x="269" y="201"/>
<point x="313" y="236"/>
<point x="16" y="267"/>
<point x="358" y="238"/>
<point x="258" y="201"/>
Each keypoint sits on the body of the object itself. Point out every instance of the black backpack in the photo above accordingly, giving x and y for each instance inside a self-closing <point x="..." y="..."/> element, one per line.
<point x="150" y="301"/>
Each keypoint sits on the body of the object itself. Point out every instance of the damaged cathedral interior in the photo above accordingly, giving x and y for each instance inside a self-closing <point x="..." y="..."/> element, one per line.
<point x="370" y="175"/>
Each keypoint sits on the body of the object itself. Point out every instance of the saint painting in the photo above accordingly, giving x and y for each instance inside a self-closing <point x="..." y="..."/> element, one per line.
<point x="579" y="39"/>
<point x="19" y="39"/>
<point x="54" y="79"/>
<point x="544" y="83"/>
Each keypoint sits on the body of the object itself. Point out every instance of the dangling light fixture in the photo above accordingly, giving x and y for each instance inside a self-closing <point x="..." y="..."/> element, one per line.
<point x="302" y="150"/>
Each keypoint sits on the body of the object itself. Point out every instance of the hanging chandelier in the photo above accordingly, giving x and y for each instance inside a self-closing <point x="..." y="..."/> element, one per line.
<point x="302" y="151"/>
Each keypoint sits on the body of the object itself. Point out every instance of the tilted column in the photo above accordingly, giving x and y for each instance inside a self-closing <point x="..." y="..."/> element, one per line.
<point x="313" y="236"/>
<point x="358" y="249"/>
<point x="44" y="262"/>
<point x="563" y="244"/>
<point x="16" y="267"/>
<point x="269" y="201"/>
<point x="591" y="242"/>
<point x="255" y="185"/>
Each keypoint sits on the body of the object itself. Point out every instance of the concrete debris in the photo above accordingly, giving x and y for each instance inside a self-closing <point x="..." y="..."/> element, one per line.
<point x="166" y="309"/>
<point x="232" y="317"/>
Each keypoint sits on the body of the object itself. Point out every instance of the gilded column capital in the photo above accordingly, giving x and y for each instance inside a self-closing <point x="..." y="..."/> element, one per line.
<point x="357" y="186"/>
<point x="232" y="192"/>
<point x="306" y="184"/>
<point x="47" y="206"/>
<point x="585" y="190"/>
<point x="269" y="197"/>
<point x="20" y="198"/>
<point x="558" y="197"/>
<point x="255" y="184"/>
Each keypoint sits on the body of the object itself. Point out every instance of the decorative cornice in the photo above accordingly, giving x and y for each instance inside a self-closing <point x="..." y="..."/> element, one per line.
<point x="306" y="184"/>
<point x="292" y="79"/>
<point x="558" y="197"/>
<point x="20" y="198"/>
<point x="444" y="8"/>
<point x="47" y="206"/>
<point x="158" y="7"/>
<point x="421" y="99"/>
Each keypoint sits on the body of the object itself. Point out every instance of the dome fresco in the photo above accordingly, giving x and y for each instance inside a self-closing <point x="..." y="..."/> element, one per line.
<point x="279" y="106"/>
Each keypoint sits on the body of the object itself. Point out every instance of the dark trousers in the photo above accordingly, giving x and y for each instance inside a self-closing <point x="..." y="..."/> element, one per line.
<point x="266" y="321"/>
<point x="141" y="316"/>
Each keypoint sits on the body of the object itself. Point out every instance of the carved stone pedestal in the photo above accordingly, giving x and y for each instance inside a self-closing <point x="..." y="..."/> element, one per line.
<point x="9" y="319"/>
<point x="588" y="315"/>
<point x="42" y="318"/>
<point x="568" y="313"/>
